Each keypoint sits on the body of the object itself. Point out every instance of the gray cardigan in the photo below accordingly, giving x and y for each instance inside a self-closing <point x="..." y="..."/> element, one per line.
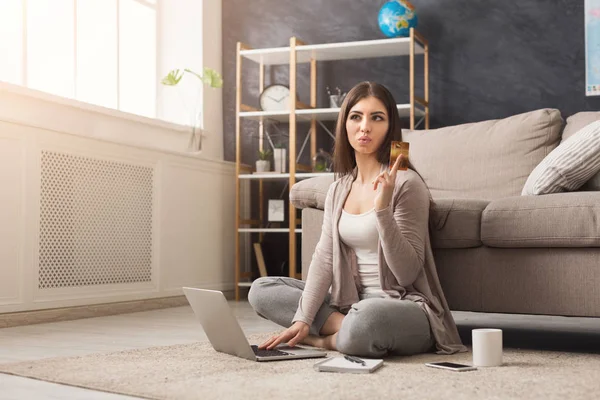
<point x="406" y="266"/>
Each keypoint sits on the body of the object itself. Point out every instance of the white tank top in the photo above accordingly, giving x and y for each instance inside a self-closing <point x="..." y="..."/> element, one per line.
<point x="359" y="231"/>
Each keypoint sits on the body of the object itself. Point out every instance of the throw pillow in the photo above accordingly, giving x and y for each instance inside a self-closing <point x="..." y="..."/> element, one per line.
<point x="484" y="160"/>
<point x="574" y="123"/>
<point x="568" y="166"/>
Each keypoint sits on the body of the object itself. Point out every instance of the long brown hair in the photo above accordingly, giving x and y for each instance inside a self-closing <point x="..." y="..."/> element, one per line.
<point x="344" y="158"/>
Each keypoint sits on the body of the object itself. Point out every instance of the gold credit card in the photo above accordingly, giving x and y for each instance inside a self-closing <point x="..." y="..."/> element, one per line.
<point x="397" y="149"/>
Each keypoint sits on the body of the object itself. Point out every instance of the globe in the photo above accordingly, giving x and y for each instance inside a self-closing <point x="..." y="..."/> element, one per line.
<point x="396" y="17"/>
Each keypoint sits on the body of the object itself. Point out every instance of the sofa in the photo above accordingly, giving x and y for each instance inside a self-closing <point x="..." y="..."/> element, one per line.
<point x="497" y="250"/>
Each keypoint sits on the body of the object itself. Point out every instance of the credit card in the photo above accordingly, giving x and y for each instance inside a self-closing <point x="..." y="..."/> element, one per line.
<point x="397" y="149"/>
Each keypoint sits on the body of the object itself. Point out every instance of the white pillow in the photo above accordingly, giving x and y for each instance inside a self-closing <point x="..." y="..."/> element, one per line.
<point x="568" y="166"/>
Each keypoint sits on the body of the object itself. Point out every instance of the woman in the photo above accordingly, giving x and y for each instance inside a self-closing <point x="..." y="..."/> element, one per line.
<point x="374" y="251"/>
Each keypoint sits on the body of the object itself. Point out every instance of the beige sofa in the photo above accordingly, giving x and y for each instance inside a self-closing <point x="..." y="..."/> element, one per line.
<point x="496" y="250"/>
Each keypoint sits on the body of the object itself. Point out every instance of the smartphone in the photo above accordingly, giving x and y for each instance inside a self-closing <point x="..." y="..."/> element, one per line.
<point x="451" y="366"/>
<point x="397" y="149"/>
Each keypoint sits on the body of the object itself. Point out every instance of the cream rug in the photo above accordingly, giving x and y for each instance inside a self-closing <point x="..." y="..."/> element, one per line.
<point x="196" y="371"/>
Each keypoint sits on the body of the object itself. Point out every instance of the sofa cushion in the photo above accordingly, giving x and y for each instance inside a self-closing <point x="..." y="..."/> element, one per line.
<point x="577" y="121"/>
<point x="456" y="223"/>
<point x="311" y="192"/>
<point x="484" y="160"/>
<point x="553" y="220"/>
<point x="574" y="124"/>
<point x="568" y="166"/>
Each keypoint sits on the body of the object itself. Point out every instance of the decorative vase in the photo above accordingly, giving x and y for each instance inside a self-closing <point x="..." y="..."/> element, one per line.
<point x="263" y="165"/>
<point x="336" y="100"/>
<point x="279" y="156"/>
<point x="195" y="142"/>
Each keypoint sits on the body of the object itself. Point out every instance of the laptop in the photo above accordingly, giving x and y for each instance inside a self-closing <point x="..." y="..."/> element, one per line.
<point x="226" y="335"/>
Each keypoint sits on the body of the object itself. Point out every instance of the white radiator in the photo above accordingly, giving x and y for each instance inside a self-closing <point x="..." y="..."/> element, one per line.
<point x="95" y="222"/>
<point x="100" y="208"/>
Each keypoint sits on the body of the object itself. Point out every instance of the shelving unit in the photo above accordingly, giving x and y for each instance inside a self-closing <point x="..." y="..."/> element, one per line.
<point x="318" y="114"/>
<point x="299" y="52"/>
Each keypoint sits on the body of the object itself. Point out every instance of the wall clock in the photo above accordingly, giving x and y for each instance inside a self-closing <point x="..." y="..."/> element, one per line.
<point x="275" y="98"/>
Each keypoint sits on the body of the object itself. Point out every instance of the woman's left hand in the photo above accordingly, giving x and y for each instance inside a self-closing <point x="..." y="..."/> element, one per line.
<point x="386" y="181"/>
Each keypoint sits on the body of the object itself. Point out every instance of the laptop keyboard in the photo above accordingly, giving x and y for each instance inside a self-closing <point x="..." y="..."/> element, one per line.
<point x="267" y="353"/>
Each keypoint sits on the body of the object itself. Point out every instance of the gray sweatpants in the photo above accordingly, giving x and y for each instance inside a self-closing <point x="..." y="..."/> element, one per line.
<point x="373" y="327"/>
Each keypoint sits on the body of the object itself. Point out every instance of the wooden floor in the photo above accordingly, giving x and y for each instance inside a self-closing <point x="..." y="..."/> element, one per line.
<point x="178" y="325"/>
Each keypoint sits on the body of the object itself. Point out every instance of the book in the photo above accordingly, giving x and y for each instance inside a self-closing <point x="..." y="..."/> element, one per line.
<point x="260" y="260"/>
<point x="341" y="364"/>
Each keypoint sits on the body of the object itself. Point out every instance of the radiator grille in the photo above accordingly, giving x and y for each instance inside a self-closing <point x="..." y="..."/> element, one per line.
<point x="95" y="222"/>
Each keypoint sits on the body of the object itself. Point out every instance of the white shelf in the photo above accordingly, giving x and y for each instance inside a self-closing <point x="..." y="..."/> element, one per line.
<point x="273" y="230"/>
<point x="319" y="114"/>
<point x="334" y="51"/>
<point x="285" y="176"/>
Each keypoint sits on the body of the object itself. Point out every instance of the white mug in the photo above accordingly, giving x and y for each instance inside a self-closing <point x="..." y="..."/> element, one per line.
<point x="487" y="347"/>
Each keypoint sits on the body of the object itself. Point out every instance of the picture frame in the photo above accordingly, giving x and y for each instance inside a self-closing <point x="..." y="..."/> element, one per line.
<point x="276" y="211"/>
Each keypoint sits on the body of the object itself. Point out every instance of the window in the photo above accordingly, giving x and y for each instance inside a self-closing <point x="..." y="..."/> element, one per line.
<point x="11" y="37"/>
<point x="138" y="57"/>
<point x="97" y="59"/>
<point x="50" y="38"/>
<point x="97" y="51"/>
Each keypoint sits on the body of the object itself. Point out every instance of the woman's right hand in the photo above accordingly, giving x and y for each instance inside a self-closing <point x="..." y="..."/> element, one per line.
<point x="292" y="335"/>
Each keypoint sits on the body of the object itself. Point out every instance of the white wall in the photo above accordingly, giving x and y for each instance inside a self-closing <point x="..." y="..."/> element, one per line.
<point x="213" y="57"/>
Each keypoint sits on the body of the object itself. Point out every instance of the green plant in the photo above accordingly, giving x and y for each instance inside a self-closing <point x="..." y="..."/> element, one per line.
<point x="209" y="77"/>
<point x="320" y="167"/>
<point x="264" y="154"/>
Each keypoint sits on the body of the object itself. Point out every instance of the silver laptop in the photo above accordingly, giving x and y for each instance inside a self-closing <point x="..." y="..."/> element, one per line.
<point x="226" y="335"/>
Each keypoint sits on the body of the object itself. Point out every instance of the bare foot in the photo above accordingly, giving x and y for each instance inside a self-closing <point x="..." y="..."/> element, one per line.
<point x="330" y="342"/>
<point x="322" y="342"/>
<point x="315" y="341"/>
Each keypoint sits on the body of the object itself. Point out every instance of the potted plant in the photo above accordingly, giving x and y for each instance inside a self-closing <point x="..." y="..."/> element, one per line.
<point x="322" y="161"/>
<point x="263" y="164"/>
<point x="210" y="78"/>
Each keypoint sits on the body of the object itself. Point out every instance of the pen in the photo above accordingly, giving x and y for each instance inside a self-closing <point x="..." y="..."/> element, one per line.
<point x="355" y="360"/>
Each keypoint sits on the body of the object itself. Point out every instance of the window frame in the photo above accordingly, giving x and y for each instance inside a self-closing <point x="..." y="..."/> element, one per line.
<point x="24" y="46"/>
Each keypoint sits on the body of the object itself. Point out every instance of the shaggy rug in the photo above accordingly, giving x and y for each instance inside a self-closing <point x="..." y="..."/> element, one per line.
<point x="196" y="371"/>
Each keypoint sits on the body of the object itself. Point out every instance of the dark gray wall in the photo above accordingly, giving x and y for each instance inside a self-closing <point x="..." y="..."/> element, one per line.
<point x="489" y="59"/>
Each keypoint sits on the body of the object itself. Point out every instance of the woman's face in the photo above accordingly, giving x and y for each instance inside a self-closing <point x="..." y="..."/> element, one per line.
<point x="367" y="125"/>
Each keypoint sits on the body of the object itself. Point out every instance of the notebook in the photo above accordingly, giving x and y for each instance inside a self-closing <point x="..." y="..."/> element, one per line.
<point x="340" y="364"/>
